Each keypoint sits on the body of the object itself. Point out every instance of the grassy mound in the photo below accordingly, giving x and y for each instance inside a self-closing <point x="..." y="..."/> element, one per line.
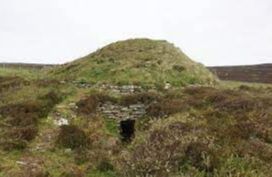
<point x="137" y="61"/>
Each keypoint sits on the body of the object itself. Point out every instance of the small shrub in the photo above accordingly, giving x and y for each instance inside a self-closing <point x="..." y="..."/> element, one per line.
<point x="21" y="120"/>
<point x="166" y="107"/>
<point x="217" y="97"/>
<point x="48" y="101"/>
<point x="178" y="68"/>
<point x="27" y="133"/>
<point x="255" y="148"/>
<point x="72" y="174"/>
<point x="35" y="173"/>
<point x="196" y="103"/>
<point x="180" y="128"/>
<point x="11" y="144"/>
<point x="47" y="82"/>
<point x="52" y="97"/>
<point x="105" y="166"/>
<point x="21" y="114"/>
<point x="238" y="104"/>
<point x="144" y="98"/>
<point x="200" y="156"/>
<point x="242" y="166"/>
<point x="161" y="152"/>
<point x="81" y="156"/>
<point x="245" y="88"/>
<point x="198" y="91"/>
<point x="70" y="136"/>
<point x="89" y="105"/>
<point x="20" y="124"/>
<point x="7" y="83"/>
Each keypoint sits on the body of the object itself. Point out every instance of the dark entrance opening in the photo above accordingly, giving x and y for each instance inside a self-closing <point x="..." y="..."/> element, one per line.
<point x="127" y="129"/>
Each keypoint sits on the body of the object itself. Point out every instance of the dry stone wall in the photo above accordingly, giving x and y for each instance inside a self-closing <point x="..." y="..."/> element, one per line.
<point x="120" y="113"/>
<point x="122" y="89"/>
<point x="115" y="111"/>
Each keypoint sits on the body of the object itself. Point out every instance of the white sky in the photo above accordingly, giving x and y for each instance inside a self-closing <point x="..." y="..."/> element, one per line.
<point x="213" y="32"/>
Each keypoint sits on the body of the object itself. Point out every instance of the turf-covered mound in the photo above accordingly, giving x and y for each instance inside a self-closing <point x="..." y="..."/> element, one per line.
<point x="137" y="61"/>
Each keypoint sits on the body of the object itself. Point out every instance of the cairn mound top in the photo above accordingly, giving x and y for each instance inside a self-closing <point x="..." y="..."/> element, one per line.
<point x="137" y="61"/>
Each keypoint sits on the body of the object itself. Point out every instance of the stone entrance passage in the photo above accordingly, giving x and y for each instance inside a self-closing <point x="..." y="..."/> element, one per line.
<point x="127" y="129"/>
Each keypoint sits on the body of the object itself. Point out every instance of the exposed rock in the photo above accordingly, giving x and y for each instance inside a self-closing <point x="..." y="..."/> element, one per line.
<point x="82" y="84"/>
<point x="120" y="113"/>
<point x="73" y="105"/>
<point x="61" y="121"/>
<point x="167" y="86"/>
<point x="124" y="89"/>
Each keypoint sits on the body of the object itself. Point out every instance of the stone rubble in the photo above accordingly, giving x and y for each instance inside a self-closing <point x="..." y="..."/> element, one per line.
<point x="61" y="121"/>
<point x="124" y="89"/>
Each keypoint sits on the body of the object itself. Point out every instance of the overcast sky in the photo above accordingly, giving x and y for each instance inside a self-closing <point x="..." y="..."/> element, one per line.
<point x="213" y="32"/>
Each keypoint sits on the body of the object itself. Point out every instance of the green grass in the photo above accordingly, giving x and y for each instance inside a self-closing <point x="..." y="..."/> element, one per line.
<point x="112" y="127"/>
<point x="22" y="72"/>
<point x="137" y="61"/>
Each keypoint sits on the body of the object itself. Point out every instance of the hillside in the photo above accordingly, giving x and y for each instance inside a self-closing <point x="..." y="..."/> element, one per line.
<point x="83" y="119"/>
<point x="25" y="65"/>
<point x="138" y="61"/>
<point x="245" y="73"/>
<point x="250" y="73"/>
